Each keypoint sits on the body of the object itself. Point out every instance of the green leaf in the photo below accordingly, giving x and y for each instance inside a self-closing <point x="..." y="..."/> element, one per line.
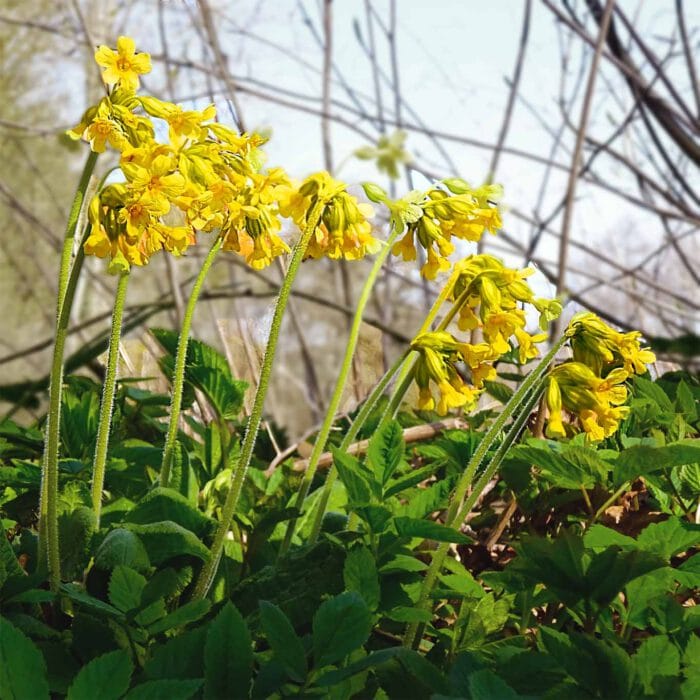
<point x="486" y="685"/>
<point x="179" y="658"/>
<point x="167" y="539"/>
<point x="685" y="401"/>
<point x="157" y="690"/>
<point x="641" y="460"/>
<point x="79" y="596"/>
<point x="228" y="656"/>
<point x="22" y="667"/>
<point x="669" y="537"/>
<point x="163" y="504"/>
<point x="385" y="451"/>
<point x="601" y="537"/>
<point x="75" y="531"/>
<point x="353" y="477"/>
<point x="125" y="588"/>
<point x="656" y="656"/>
<point x="224" y="393"/>
<point x="427" y="529"/>
<point x="106" y="677"/>
<point x="341" y="625"/>
<point x="572" y="468"/>
<point x="286" y="645"/>
<point x="360" y="575"/>
<point x="122" y="547"/>
<point x="651" y="390"/>
<point x="8" y="560"/>
<point x="190" y="612"/>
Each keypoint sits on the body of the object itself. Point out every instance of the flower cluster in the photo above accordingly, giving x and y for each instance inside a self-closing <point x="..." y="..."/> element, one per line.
<point x="207" y="177"/>
<point x="438" y="351"/>
<point x="343" y="230"/>
<point x="451" y="209"/>
<point x="489" y="296"/>
<point x="493" y="295"/>
<point x="592" y="385"/>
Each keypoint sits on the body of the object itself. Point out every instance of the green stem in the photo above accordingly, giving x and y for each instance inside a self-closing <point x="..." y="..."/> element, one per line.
<point x="48" y="546"/>
<point x="107" y="405"/>
<point x="525" y="396"/>
<point x="181" y="360"/>
<point x="348" y="439"/>
<point x="609" y="502"/>
<point x="208" y="571"/>
<point x="324" y="432"/>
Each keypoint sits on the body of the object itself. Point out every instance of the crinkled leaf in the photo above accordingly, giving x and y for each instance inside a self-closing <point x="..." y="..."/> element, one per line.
<point x="228" y="656"/>
<point x="385" y="451"/>
<point x="163" y="504"/>
<point x="341" y="625"/>
<point x="22" y="667"/>
<point x="360" y="575"/>
<point x="427" y="529"/>
<point x="284" y="641"/>
<point x="166" y="539"/>
<point x="106" y="677"/>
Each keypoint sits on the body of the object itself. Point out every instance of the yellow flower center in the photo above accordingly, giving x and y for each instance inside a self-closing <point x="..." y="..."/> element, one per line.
<point x="123" y="64"/>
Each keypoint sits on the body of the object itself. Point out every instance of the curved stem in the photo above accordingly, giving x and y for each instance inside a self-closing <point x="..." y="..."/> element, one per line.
<point x="181" y="360"/>
<point x="349" y="438"/>
<point x="107" y="405"/>
<point x="523" y="397"/>
<point x="208" y="571"/>
<point x="324" y="432"/>
<point x="48" y="516"/>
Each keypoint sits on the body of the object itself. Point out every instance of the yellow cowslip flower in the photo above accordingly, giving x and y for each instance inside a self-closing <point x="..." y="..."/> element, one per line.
<point x="499" y="326"/>
<point x="343" y="231"/>
<point x="158" y="183"/>
<point x="252" y="226"/>
<point x="110" y="122"/>
<point x="634" y="357"/>
<point x="438" y="351"/>
<point x="595" y="400"/>
<point x="182" y="124"/>
<point x="601" y="347"/>
<point x="124" y="65"/>
<point x="455" y="211"/>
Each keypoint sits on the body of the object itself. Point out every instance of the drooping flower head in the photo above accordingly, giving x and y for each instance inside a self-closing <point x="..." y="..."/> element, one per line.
<point x="438" y="352"/>
<point x="452" y="209"/>
<point x="595" y="401"/>
<point x="344" y="230"/>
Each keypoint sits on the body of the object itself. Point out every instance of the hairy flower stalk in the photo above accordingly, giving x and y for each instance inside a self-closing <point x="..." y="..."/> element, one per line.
<point x="324" y="432"/>
<point x="181" y="360"/>
<point x="349" y="438"/>
<point x="107" y="405"/>
<point x="208" y="571"/>
<point x="48" y="517"/>
<point x="523" y="399"/>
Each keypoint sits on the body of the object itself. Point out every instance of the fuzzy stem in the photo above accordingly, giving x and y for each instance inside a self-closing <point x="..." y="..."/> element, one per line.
<point x="521" y="398"/>
<point x="349" y="438"/>
<point x="107" y="405"/>
<point x="181" y="360"/>
<point x="324" y="432"/>
<point x="208" y="571"/>
<point x="48" y="513"/>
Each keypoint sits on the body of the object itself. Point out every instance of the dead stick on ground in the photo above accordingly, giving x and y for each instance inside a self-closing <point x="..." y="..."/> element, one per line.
<point x="416" y="433"/>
